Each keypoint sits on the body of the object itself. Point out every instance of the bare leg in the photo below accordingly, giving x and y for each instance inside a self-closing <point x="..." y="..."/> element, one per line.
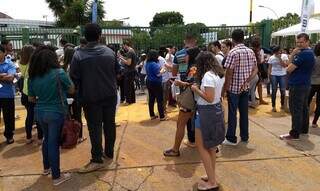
<point x="260" y="94"/>
<point x="181" y="124"/>
<point x="207" y="158"/>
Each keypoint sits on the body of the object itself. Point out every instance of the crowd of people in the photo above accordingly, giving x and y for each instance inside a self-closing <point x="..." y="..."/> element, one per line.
<point x="88" y="78"/>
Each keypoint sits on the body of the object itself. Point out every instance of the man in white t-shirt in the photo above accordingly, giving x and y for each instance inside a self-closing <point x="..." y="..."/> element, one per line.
<point x="277" y="74"/>
<point x="165" y="80"/>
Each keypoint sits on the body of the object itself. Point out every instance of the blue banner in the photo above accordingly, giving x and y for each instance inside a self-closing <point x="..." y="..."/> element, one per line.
<point x="94" y="11"/>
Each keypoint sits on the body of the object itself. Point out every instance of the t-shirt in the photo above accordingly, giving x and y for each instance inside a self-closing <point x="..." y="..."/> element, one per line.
<point x="180" y="60"/>
<point x="131" y="55"/>
<point x="213" y="81"/>
<point x="277" y="69"/>
<point x="219" y="57"/>
<point x="24" y="72"/>
<point x="7" y="90"/>
<point x="45" y="88"/>
<point x="165" y="75"/>
<point x="304" y="61"/>
<point x="153" y="71"/>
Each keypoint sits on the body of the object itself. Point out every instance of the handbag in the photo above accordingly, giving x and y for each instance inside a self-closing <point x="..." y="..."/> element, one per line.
<point x="186" y="100"/>
<point x="71" y="128"/>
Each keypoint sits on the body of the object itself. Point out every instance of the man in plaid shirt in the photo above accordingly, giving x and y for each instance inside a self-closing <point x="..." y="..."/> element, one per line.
<point x="241" y="65"/>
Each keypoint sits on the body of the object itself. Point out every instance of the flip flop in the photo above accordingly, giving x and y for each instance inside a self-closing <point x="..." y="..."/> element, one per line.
<point x="207" y="188"/>
<point x="171" y="153"/>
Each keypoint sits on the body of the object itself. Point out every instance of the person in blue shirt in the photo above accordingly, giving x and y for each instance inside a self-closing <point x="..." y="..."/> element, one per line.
<point x="7" y="92"/>
<point x="154" y="84"/>
<point x="302" y="60"/>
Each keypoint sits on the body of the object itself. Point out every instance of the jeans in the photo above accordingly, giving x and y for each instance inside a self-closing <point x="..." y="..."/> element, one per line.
<point x="101" y="115"/>
<point x="129" y="89"/>
<point x="30" y="117"/>
<point x="275" y="80"/>
<point x="315" y="89"/>
<point x="299" y="109"/>
<point x="51" y="124"/>
<point x="76" y="113"/>
<point x="7" y="107"/>
<point x="191" y="129"/>
<point x="238" y="101"/>
<point x="252" y="89"/>
<point x="155" y="93"/>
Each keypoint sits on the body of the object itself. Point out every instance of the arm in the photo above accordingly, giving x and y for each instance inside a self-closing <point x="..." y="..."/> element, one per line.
<point x="207" y="94"/>
<point x="293" y="66"/>
<point x="6" y="77"/>
<point x="228" y="78"/>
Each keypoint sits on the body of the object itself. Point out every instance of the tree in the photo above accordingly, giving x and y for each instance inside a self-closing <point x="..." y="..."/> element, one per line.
<point x="167" y="18"/>
<point x="71" y="13"/>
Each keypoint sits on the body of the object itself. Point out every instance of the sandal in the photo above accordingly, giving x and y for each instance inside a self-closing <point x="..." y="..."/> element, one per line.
<point x="203" y="187"/>
<point x="171" y="153"/>
<point x="80" y="140"/>
<point x="204" y="178"/>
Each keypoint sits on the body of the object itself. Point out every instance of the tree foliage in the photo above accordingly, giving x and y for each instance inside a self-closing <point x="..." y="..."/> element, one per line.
<point x="167" y="18"/>
<point x="71" y="13"/>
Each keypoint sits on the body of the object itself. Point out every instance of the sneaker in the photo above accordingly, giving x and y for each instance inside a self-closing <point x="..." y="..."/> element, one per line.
<point x="282" y="108"/>
<point x="164" y="119"/>
<point x="90" y="167"/>
<point x="189" y="144"/>
<point x="62" y="179"/>
<point x="314" y="126"/>
<point x="274" y="109"/>
<point x="46" y="172"/>
<point x="10" y="141"/>
<point x="226" y="142"/>
<point x="288" y="137"/>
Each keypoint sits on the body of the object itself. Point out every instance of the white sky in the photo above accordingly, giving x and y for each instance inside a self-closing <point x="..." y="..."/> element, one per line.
<point x="141" y="12"/>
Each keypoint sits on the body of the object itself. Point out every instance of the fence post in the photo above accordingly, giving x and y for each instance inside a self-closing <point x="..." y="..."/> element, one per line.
<point x="266" y="33"/>
<point x="25" y="35"/>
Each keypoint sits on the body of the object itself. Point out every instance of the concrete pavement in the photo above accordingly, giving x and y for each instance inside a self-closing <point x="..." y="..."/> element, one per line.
<point x="264" y="164"/>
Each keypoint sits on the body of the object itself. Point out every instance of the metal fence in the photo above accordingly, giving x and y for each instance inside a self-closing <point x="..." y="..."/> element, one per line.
<point x="142" y="38"/>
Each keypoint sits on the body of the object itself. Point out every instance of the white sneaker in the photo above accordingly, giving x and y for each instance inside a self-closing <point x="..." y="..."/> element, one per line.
<point x="62" y="179"/>
<point x="226" y="142"/>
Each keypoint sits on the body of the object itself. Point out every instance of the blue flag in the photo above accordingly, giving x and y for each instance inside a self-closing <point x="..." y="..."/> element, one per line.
<point x="94" y="11"/>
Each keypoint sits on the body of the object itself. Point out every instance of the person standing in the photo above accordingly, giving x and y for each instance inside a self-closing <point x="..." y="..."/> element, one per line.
<point x="129" y="61"/>
<point x="7" y="93"/>
<point x="301" y="62"/>
<point x="315" y="86"/>
<point x="241" y="65"/>
<point x="154" y="84"/>
<point x="277" y="71"/>
<point x="44" y="90"/>
<point x="180" y="69"/>
<point x="26" y="54"/>
<point x="93" y="69"/>
<point x="215" y="48"/>
<point x="209" y="128"/>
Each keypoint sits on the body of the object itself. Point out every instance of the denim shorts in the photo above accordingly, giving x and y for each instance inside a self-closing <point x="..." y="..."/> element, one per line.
<point x="197" y="120"/>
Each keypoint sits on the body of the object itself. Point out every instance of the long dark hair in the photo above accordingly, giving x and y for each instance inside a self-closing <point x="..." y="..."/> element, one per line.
<point x="42" y="61"/>
<point x="68" y="54"/>
<point x="26" y="53"/>
<point x="206" y="61"/>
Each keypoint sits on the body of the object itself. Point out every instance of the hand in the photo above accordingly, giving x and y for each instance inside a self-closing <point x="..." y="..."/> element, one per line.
<point x="194" y="88"/>
<point x="244" y="87"/>
<point x="295" y="51"/>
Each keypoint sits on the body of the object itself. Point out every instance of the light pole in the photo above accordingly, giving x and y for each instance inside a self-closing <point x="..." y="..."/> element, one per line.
<point x="261" y="6"/>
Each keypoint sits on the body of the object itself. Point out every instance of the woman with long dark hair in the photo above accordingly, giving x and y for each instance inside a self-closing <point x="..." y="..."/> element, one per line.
<point x="48" y="86"/>
<point x="209" y="128"/>
<point x="26" y="54"/>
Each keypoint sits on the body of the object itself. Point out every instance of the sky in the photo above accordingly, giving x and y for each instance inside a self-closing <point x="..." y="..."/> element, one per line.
<point x="141" y="12"/>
